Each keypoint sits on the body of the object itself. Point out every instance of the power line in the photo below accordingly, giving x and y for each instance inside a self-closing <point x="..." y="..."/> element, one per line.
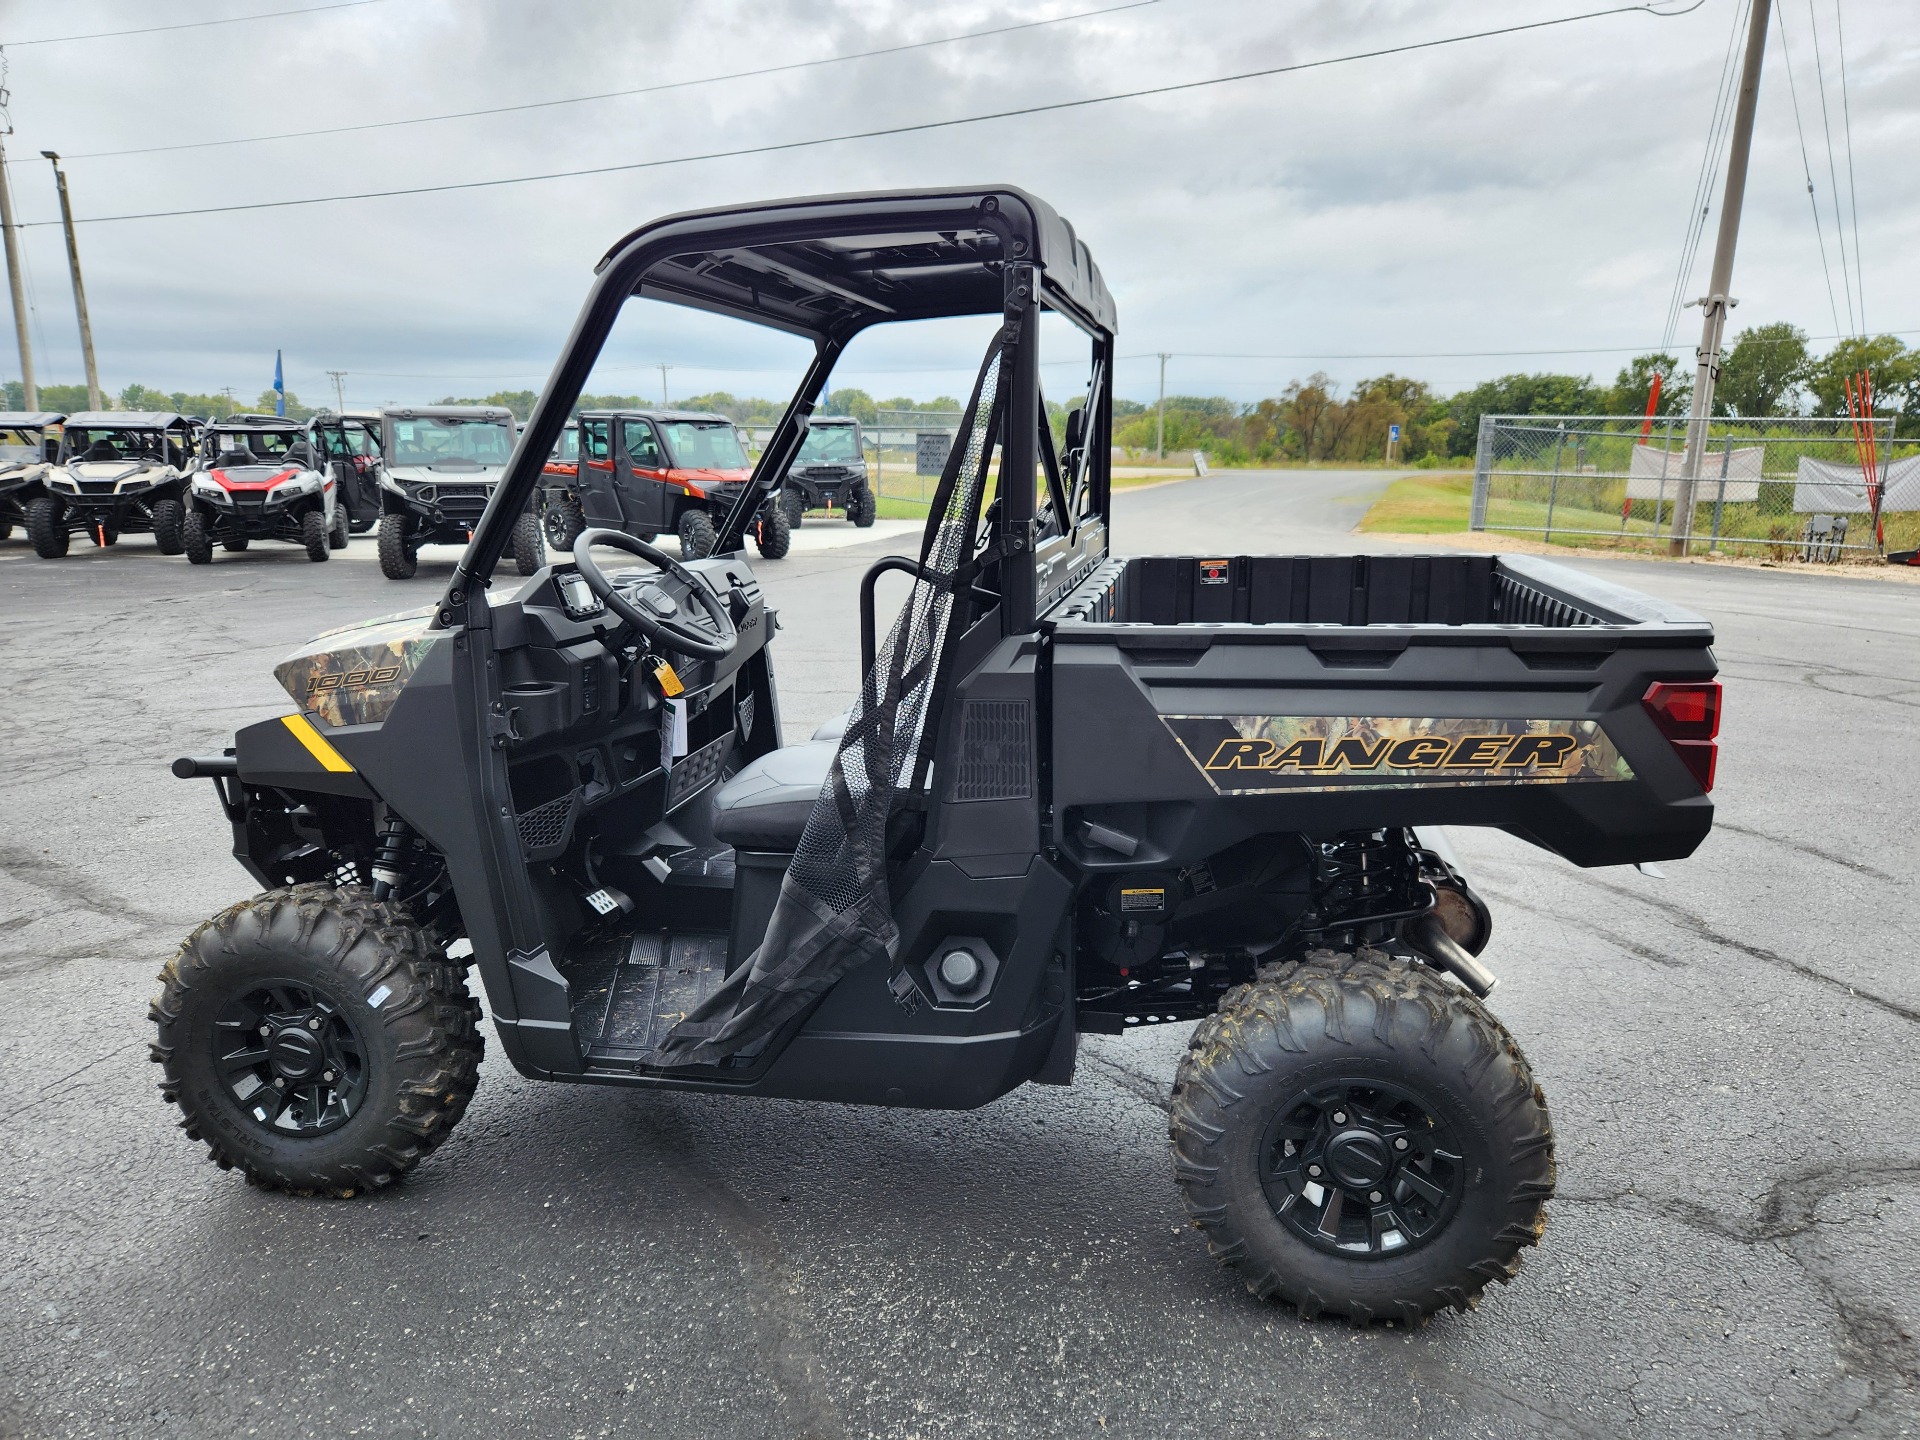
<point x="890" y="130"/>
<point x="1806" y="167"/>
<point x="189" y="24"/>
<point x="1853" y="191"/>
<point x="623" y="94"/>
<point x="1833" y="173"/>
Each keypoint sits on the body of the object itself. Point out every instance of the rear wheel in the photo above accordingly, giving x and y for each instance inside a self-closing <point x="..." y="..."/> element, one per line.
<point x="696" y="535"/>
<point x="562" y="523"/>
<point x="313" y="535"/>
<point x="1361" y="1137"/>
<point x="47" y="527"/>
<point x="104" y="535"/>
<point x="862" y="507"/>
<point x="195" y="540"/>
<point x="6" y="529"/>
<point x="795" y="507"/>
<point x="341" y="535"/>
<point x="168" y="516"/>
<point x="398" y="557"/>
<point x="236" y="543"/>
<point x="529" y="544"/>
<point x="772" y="534"/>
<point x="317" y="1039"/>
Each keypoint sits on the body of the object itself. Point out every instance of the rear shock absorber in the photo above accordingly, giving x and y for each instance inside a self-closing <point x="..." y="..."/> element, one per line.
<point x="1364" y="880"/>
<point x="393" y="858"/>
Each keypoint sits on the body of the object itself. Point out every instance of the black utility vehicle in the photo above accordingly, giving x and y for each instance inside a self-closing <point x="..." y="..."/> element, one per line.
<point x="258" y="478"/>
<point x="438" y="468"/>
<point x="348" y="442"/>
<point x="119" y="472"/>
<point x="830" y="470"/>
<point x="655" y="472"/>
<point x="1076" y="794"/>
<point x="29" y="444"/>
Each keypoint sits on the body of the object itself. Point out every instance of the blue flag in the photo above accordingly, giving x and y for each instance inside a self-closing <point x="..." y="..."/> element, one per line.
<point x="279" y="387"/>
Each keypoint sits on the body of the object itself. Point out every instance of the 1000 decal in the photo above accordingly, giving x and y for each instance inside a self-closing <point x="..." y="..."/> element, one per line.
<point x="1248" y="754"/>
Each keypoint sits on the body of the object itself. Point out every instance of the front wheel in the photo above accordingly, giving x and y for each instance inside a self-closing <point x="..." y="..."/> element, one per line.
<point x="696" y="535"/>
<point x="771" y="533"/>
<point x="317" y="1039"/>
<point x="529" y="544"/>
<point x="398" y="557"/>
<point x="795" y="507"/>
<point x="341" y="535"/>
<point x="313" y="535"/>
<point x="1361" y="1137"/>
<point x="47" y="527"/>
<point x="195" y="540"/>
<point x="562" y="523"/>
<point x="863" y="508"/>
<point x="168" y="516"/>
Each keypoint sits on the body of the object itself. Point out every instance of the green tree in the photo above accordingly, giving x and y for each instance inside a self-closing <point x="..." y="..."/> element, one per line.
<point x="1762" y="371"/>
<point x="295" y="410"/>
<point x="1631" y="387"/>
<point x="1894" y="370"/>
<point x="1537" y="394"/>
<point x="857" y="403"/>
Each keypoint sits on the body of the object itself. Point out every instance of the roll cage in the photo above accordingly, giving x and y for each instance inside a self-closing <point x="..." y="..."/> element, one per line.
<point x="827" y="268"/>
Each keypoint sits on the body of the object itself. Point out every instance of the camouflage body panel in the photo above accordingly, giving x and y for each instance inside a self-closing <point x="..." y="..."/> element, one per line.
<point x="1264" y="754"/>
<point x="354" y="675"/>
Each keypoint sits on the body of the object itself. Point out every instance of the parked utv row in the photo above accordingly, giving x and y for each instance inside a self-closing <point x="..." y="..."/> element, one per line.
<point x="418" y="476"/>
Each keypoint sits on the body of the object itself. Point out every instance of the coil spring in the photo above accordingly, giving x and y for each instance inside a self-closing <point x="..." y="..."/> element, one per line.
<point x="1364" y="877"/>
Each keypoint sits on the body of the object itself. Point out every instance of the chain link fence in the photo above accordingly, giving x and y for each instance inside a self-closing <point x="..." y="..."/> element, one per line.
<point x="1789" y="487"/>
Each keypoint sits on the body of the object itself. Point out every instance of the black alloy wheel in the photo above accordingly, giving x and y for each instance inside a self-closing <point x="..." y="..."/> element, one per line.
<point x="1362" y="1168"/>
<point x="291" y="1058"/>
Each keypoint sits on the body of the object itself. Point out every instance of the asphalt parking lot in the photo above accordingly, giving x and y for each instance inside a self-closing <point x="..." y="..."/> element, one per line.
<point x="1729" y="1053"/>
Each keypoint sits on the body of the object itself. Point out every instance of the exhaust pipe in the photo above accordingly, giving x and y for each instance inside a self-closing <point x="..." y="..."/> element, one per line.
<point x="1438" y="946"/>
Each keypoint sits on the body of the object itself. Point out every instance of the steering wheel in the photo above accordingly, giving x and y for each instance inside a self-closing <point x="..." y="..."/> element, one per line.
<point x="672" y="634"/>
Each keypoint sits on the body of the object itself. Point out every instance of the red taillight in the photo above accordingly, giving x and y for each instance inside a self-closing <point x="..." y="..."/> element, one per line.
<point x="1688" y="714"/>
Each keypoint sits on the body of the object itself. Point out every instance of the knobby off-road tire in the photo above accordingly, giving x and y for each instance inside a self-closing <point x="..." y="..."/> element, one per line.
<point x="47" y="527"/>
<point x="168" y="517"/>
<point x="863" y="508"/>
<point x="313" y="535"/>
<point x="772" y="535"/>
<point x="398" y="558"/>
<point x="697" y="535"/>
<point x="529" y="544"/>
<point x="194" y="539"/>
<point x="341" y="535"/>
<point x="1402" y="1041"/>
<point x="6" y="529"/>
<point x="374" y="974"/>
<point x="236" y="544"/>
<point x="795" y="507"/>
<point x="562" y="523"/>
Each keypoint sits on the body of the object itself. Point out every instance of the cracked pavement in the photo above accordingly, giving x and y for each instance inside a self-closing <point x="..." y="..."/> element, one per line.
<point x="1729" y="1054"/>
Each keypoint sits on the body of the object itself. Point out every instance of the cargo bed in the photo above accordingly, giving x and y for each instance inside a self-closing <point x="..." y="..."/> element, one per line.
<point x="1331" y="693"/>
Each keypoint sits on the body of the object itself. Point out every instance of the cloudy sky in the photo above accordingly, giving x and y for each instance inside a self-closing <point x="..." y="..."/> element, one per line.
<point x="1522" y="193"/>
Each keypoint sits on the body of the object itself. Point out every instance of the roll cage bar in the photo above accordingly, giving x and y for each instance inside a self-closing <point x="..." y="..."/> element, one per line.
<point x="827" y="268"/>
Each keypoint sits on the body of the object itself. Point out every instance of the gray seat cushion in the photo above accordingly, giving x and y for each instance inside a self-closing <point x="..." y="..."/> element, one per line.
<point x="836" y="727"/>
<point x="765" y="806"/>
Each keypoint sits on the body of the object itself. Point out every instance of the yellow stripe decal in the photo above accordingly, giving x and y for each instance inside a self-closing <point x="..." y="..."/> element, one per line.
<point x="303" y="731"/>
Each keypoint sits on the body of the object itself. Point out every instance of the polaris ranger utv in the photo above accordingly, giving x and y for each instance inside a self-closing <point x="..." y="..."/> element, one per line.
<point x="29" y="443"/>
<point x="259" y="479"/>
<point x="439" y="465"/>
<point x="831" y="466"/>
<point x="119" y="473"/>
<point x="649" y="472"/>
<point x="1077" y="793"/>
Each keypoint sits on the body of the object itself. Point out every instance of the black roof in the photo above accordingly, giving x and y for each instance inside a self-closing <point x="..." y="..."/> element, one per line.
<point x="833" y="264"/>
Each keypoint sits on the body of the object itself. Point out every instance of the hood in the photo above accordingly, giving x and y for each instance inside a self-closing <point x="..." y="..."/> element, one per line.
<point x="11" y="470"/>
<point x="468" y="474"/>
<point x="704" y="478"/>
<point x="252" y="477"/>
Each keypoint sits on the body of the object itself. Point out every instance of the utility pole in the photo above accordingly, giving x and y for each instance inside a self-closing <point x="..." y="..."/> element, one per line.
<point x="339" y="389"/>
<point x="1160" y="412"/>
<point x="1717" y="300"/>
<point x="32" y="398"/>
<point x="79" y="290"/>
<point x="663" y="384"/>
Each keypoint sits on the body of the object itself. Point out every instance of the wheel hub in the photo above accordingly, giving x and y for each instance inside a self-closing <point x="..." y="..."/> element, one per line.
<point x="290" y="1058"/>
<point x="1358" y="1158"/>
<point x="1361" y="1168"/>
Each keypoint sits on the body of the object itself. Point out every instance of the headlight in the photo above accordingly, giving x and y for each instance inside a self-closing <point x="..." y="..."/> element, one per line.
<point x="207" y="488"/>
<point x="387" y="482"/>
<point x="296" y="485"/>
<point x="61" y="482"/>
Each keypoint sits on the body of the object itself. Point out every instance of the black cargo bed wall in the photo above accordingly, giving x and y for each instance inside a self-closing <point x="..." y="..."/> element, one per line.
<point x="1327" y="590"/>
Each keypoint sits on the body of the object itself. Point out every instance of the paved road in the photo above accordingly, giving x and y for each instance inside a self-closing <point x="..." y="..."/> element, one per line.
<point x="1729" y="1053"/>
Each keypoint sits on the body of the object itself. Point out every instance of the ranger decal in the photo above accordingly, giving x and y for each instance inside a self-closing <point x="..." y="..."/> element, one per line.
<point x="1260" y="754"/>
